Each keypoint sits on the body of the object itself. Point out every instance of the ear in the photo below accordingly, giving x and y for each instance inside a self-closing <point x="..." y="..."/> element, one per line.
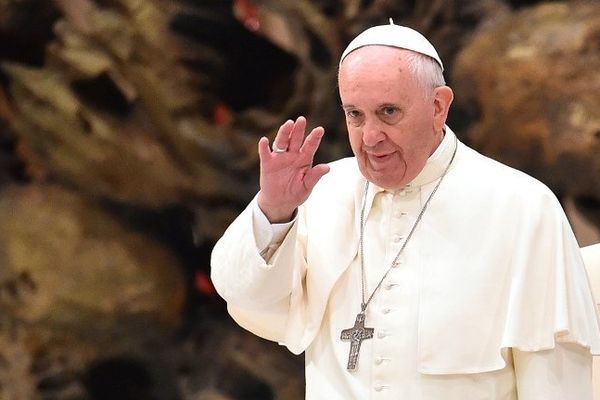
<point x="442" y="98"/>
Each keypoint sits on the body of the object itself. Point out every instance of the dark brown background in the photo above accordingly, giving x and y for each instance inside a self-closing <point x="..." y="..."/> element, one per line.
<point x="128" y="133"/>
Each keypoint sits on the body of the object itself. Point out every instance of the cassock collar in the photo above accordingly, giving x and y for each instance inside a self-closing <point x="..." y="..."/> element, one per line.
<point x="433" y="169"/>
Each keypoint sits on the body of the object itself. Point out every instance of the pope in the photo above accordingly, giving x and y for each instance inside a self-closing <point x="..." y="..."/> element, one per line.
<point x="417" y="269"/>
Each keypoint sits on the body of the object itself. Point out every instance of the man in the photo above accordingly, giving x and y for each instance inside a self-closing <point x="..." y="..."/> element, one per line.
<point x="418" y="269"/>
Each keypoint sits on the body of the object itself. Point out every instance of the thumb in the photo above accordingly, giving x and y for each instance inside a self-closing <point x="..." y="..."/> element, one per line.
<point x="314" y="175"/>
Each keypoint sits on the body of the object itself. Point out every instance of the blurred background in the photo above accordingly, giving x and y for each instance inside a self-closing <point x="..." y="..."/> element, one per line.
<point x="128" y="132"/>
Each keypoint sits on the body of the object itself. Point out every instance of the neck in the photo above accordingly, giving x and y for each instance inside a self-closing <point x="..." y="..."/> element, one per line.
<point x="440" y="138"/>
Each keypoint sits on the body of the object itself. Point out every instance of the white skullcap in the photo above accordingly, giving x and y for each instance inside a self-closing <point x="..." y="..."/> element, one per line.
<point x="395" y="36"/>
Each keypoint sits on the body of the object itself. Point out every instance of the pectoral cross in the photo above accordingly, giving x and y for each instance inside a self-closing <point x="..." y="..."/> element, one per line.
<point x="356" y="335"/>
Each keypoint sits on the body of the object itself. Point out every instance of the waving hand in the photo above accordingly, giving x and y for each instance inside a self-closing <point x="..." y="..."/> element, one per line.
<point x="287" y="174"/>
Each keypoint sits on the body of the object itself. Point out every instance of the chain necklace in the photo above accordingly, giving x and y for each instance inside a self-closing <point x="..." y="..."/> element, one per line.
<point x="359" y="332"/>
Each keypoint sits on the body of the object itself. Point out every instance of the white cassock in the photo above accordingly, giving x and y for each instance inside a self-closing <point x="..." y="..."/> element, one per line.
<point x="490" y="299"/>
<point x="591" y="257"/>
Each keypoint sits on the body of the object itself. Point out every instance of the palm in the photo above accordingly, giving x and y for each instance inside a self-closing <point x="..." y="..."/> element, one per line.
<point x="287" y="178"/>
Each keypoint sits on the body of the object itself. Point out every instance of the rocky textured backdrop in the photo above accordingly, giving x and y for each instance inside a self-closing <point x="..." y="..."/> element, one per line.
<point x="128" y="133"/>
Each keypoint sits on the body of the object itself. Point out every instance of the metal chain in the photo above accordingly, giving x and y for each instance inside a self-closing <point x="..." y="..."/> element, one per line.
<point x="364" y="303"/>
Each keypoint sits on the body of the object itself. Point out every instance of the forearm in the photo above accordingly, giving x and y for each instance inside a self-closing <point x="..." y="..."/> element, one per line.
<point x="245" y="268"/>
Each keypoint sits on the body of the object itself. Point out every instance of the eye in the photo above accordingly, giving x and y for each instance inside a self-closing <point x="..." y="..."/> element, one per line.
<point x="388" y="111"/>
<point x="353" y="114"/>
<point x="389" y="114"/>
<point x="354" y="117"/>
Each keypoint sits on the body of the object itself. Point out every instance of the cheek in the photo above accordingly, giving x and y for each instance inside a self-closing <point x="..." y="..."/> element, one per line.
<point x="398" y="137"/>
<point x="355" y="138"/>
<point x="406" y="136"/>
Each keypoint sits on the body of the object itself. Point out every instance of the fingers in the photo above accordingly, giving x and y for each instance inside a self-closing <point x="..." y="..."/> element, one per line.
<point x="297" y="134"/>
<point x="290" y="135"/>
<point x="290" y="138"/>
<point x="263" y="148"/>
<point x="313" y="140"/>
<point x="282" y="139"/>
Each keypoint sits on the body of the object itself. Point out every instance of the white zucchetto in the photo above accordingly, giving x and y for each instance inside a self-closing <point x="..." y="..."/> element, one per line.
<point x="395" y="36"/>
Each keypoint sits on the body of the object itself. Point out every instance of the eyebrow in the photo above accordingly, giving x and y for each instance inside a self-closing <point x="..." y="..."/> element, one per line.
<point x="344" y="106"/>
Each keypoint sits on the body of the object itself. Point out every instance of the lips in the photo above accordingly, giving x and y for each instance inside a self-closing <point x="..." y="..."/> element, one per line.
<point x="379" y="156"/>
<point x="379" y="160"/>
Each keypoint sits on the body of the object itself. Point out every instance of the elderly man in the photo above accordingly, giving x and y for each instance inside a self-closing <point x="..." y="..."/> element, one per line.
<point x="418" y="269"/>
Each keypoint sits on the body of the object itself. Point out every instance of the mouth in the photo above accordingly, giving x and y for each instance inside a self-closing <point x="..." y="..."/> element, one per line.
<point x="379" y="156"/>
<point x="380" y="161"/>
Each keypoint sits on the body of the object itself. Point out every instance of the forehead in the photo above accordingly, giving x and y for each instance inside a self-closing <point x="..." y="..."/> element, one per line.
<point x="382" y="59"/>
<point x="377" y="72"/>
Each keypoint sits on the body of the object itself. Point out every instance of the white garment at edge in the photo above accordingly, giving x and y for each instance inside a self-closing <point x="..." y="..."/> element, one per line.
<point x="591" y="257"/>
<point x="493" y="265"/>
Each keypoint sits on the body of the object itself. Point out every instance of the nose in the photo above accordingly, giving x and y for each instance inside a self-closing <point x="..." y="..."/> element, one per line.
<point x="372" y="132"/>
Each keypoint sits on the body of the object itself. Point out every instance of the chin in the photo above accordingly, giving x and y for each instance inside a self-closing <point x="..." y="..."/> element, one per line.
<point x="383" y="183"/>
<point x="386" y="179"/>
<point x="380" y="178"/>
<point x="389" y="186"/>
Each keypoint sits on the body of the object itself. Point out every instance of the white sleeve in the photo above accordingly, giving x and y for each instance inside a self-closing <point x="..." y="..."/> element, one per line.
<point x="244" y="277"/>
<point x="562" y="373"/>
<point x="268" y="236"/>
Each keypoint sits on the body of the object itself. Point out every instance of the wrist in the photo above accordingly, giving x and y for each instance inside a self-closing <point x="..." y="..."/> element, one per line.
<point x="275" y="213"/>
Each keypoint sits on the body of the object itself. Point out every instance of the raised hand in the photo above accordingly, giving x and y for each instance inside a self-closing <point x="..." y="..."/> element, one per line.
<point x="287" y="175"/>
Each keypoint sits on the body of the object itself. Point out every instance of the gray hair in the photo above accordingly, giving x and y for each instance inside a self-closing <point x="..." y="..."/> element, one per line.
<point x="425" y="70"/>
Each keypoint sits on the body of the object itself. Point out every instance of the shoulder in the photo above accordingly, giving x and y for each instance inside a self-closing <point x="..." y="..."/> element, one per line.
<point x="499" y="178"/>
<point x="343" y="174"/>
<point x="502" y="190"/>
<point x="339" y="185"/>
<point x="344" y="167"/>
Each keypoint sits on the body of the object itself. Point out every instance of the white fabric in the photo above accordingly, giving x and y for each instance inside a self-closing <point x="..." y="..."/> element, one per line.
<point x="493" y="265"/>
<point x="591" y="257"/>
<point x="396" y="36"/>
<point x="268" y="237"/>
<point x="562" y="373"/>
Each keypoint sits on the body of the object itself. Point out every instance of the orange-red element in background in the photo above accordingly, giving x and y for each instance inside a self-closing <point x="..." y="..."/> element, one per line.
<point x="222" y="115"/>
<point x="203" y="284"/>
<point x="247" y="11"/>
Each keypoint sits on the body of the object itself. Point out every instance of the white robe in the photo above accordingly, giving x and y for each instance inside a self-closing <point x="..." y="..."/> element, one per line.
<point x="492" y="266"/>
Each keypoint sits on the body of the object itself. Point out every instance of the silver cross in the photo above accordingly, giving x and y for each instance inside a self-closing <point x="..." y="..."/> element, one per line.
<point x="356" y="335"/>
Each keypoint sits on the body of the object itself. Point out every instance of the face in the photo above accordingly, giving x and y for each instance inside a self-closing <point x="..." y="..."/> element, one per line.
<point x="393" y="124"/>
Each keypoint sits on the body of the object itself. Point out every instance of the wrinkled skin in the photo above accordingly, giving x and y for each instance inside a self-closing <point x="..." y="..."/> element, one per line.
<point x="393" y="125"/>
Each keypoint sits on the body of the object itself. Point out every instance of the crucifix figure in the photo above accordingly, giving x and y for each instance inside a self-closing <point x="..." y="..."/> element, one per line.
<point x="356" y="335"/>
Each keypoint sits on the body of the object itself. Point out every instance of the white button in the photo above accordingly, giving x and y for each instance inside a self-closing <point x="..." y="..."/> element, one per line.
<point x="378" y="387"/>
<point x="378" y="360"/>
<point x="397" y="238"/>
<point x="381" y="335"/>
<point x="386" y="311"/>
<point x="399" y="214"/>
<point x="389" y="286"/>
